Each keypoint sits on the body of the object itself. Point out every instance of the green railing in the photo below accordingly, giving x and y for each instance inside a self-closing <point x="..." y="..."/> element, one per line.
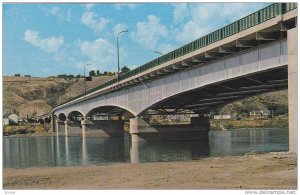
<point x="251" y="20"/>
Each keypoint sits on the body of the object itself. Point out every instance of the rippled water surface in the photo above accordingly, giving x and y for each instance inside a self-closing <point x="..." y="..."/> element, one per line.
<point x="19" y="152"/>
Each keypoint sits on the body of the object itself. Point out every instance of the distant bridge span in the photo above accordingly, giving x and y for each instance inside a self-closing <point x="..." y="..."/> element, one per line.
<point x="254" y="55"/>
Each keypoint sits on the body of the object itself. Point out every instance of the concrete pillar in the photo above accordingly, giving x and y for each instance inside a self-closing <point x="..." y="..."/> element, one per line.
<point x="67" y="123"/>
<point x="293" y="88"/>
<point x="102" y="128"/>
<point x="59" y="126"/>
<point x="73" y="128"/>
<point x="84" y="124"/>
<point x="134" y="153"/>
<point x="52" y="122"/>
<point x="141" y="130"/>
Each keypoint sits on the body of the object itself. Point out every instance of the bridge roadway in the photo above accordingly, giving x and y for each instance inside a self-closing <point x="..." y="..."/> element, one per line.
<point x="256" y="60"/>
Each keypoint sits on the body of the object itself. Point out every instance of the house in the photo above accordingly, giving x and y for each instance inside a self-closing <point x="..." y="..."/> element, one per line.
<point x="5" y="121"/>
<point x="266" y="112"/>
<point x="260" y="113"/>
<point x="222" y="117"/>
<point x="13" y="119"/>
<point x="256" y="113"/>
<point x="22" y="122"/>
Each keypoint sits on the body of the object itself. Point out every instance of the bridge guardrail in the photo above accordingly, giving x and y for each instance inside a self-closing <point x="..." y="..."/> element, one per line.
<point x="244" y="23"/>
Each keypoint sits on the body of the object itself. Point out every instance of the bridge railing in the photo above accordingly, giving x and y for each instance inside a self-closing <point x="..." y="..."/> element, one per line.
<point x="244" y="23"/>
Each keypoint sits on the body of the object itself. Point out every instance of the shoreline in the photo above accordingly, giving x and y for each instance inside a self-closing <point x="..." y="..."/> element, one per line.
<point x="49" y="134"/>
<point x="251" y="171"/>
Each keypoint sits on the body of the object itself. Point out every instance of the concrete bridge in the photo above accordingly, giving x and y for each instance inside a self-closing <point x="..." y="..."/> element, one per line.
<point x="253" y="55"/>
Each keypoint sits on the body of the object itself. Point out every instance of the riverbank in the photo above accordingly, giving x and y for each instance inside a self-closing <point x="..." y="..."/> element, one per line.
<point x="255" y="171"/>
<point x="276" y="122"/>
<point x="28" y="130"/>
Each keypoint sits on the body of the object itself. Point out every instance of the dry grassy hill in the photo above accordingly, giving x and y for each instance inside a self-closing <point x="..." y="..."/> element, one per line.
<point x="276" y="101"/>
<point x="29" y="95"/>
<point x="77" y="87"/>
<point x="39" y="95"/>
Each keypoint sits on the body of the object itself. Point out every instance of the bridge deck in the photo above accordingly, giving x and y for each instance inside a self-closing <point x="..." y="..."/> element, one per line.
<point x="264" y="26"/>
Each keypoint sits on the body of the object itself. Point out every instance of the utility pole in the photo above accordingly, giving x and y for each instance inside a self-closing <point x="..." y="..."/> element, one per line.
<point x="85" y="77"/>
<point x="119" y="52"/>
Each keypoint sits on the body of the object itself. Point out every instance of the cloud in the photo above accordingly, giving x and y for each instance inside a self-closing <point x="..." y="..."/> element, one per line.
<point x="166" y="47"/>
<point x="149" y="32"/>
<point x="119" y="6"/>
<point x="100" y="51"/>
<point x="89" y="6"/>
<point x="180" y="12"/>
<point x="207" y="17"/>
<point x="49" y="44"/>
<point x="92" y="21"/>
<point x="61" y="14"/>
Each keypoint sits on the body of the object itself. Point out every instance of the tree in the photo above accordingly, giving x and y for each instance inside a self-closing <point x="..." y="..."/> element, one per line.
<point x="125" y="69"/>
<point x="98" y="73"/>
<point x="92" y="73"/>
<point x="105" y="73"/>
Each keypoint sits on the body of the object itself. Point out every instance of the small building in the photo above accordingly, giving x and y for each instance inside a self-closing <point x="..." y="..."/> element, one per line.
<point x="222" y="117"/>
<point x="5" y="121"/>
<point x="266" y="112"/>
<point x="13" y="119"/>
<point x="22" y="122"/>
<point x="255" y="113"/>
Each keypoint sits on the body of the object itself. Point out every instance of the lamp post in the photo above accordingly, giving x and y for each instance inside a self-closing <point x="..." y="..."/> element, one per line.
<point x="119" y="51"/>
<point x="158" y="53"/>
<point x="85" y="77"/>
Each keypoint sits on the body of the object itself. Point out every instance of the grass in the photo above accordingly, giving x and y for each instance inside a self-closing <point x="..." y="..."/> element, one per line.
<point x="24" y="129"/>
<point x="276" y="122"/>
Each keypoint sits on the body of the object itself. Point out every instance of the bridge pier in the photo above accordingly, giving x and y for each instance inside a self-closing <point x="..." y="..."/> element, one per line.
<point x="293" y="88"/>
<point x="141" y="130"/>
<point x="66" y="122"/>
<point x="59" y="127"/>
<point x="103" y="128"/>
<point x="73" y="128"/>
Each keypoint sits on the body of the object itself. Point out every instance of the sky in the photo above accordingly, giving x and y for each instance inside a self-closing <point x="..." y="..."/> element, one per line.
<point x="49" y="39"/>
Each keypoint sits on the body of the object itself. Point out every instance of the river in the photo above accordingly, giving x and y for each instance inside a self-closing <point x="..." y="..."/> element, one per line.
<point x="22" y="152"/>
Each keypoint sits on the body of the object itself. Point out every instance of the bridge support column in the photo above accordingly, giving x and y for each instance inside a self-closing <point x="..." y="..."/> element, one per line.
<point x="73" y="128"/>
<point x="141" y="130"/>
<point x="103" y="128"/>
<point x="293" y="89"/>
<point x="52" y="123"/>
<point x="59" y="127"/>
<point x="67" y="122"/>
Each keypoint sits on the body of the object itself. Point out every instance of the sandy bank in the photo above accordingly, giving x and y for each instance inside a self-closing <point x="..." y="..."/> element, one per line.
<point x="264" y="171"/>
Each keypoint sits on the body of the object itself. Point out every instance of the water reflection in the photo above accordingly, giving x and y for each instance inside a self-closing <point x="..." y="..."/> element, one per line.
<point x="70" y="151"/>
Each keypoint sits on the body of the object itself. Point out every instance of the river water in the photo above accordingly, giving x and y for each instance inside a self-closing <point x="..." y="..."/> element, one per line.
<point x="21" y="152"/>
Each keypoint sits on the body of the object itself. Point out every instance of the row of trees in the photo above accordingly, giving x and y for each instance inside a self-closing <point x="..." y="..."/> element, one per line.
<point x="19" y="75"/>
<point x="94" y="73"/>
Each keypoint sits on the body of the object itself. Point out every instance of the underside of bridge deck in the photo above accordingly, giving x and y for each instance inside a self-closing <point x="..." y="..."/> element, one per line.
<point x="205" y="99"/>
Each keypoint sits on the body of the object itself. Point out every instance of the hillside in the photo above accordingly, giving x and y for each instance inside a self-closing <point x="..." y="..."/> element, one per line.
<point x="77" y="87"/>
<point x="39" y="95"/>
<point x="29" y="95"/>
<point x="276" y="101"/>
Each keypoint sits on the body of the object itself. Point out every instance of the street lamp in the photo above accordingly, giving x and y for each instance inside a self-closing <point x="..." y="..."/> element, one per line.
<point x="119" y="52"/>
<point x="85" y="77"/>
<point x="158" y="53"/>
